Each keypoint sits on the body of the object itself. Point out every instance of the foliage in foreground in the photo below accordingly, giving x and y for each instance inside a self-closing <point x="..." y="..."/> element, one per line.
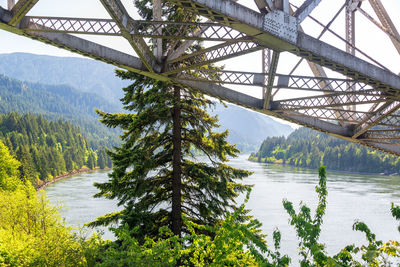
<point x="237" y="244"/>
<point x="231" y="244"/>
<point x="31" y="231"/>
<point x="313" y="253"/>
<point x="33" y="234"/>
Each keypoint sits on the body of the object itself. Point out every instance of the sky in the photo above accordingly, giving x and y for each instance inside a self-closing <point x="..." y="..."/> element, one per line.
<point x="368" y="37"/>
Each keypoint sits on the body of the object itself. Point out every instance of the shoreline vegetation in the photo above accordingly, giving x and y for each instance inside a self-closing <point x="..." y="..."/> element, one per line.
<point x="69" y="175"/>
<point x="49" y="150"/>
<point x="307" y="148"/>
<point x="253" y="158"/>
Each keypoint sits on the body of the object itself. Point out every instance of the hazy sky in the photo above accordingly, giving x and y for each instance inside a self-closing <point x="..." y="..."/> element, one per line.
<point x="368" y="37"/>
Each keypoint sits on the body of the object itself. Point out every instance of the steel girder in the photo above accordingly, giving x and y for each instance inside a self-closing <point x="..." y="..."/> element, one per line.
<point x="151" y="29"/>
<point x="19" y="10"/>
<point x="210" y="55"/>
<point x="335" y="105"/>
<point x="387" y="22"/>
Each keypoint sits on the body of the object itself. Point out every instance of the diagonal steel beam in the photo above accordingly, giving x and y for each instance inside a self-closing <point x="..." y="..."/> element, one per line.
<point x="93" y="50"/>
<point x="20" y="9"/>
<point x="210" y="55"/>
<point x="305" y="9"/>
<point x="271" y="79"/>
<point x="380" y="26"/>
<point x="386" y="21"/>
<point x="375" y="118"/>
<point x="119" y="14"/>
<point x="265" y="5"/>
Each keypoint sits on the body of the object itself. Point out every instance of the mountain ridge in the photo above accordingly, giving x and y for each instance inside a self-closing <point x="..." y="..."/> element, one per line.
<point x="97" y="80"/>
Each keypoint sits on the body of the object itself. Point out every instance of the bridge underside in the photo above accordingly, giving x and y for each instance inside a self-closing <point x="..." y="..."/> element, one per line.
<point x="358" y="101"/>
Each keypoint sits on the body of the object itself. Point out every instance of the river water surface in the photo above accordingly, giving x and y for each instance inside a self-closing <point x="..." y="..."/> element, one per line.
<point x="351" y="197"/>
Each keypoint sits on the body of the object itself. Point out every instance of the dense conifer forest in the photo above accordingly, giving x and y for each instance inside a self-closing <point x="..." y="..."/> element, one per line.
<point x="59" y="101"/>
<point x="311" y="149"/>
<point x="47" y="149"/>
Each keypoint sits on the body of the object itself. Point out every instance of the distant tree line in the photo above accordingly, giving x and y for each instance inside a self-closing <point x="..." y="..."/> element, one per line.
<point x="312" y="149"/>
<point x="47" y="149"/>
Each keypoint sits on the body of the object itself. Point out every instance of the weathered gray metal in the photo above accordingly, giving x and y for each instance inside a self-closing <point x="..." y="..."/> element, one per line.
<point x="361" y="108"/>
<point x="305" y="9"/>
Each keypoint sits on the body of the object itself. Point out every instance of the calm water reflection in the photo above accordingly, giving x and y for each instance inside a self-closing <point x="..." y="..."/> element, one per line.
<point x="351" y="196"/>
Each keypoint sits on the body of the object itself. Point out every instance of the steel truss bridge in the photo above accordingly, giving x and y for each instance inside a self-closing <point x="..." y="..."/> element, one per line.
<point x="349" y="94"/>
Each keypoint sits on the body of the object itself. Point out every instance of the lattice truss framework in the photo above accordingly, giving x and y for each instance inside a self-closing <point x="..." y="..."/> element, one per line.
<point x="349" y="94"/>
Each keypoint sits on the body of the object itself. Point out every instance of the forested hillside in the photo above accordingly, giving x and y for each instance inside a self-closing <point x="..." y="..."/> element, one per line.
<point x="47" y="149"/>
<point x="95" y="85"/>
<point x="309" y="148"/>
<point x="55" y="102"/>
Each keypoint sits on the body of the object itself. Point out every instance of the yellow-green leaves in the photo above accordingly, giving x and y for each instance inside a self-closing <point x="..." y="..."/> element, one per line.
<point x="8" y="170"/>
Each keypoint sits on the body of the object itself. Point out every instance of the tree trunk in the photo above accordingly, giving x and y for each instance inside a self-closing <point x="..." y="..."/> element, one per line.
<point x="176" y="213"/>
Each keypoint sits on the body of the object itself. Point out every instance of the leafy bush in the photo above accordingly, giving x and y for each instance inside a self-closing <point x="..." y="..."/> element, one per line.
<point x="313" y="253"/>
<point x="31" y="231"/>
<point x="233" y="244"/>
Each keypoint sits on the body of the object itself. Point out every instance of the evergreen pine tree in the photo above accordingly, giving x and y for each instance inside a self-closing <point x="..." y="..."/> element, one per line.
<point x="27" y="167"/>
<point x="91" y="162"/>
<point x="156" y="177"/>
<point x="101" y="159"/>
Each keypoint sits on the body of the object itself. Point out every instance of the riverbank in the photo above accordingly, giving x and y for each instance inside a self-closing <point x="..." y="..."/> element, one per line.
<point x="67" y="175"/>
<point x="280" y="162"/>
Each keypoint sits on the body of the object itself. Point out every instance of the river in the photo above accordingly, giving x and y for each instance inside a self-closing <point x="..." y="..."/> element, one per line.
<point x="351" y="196"/>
